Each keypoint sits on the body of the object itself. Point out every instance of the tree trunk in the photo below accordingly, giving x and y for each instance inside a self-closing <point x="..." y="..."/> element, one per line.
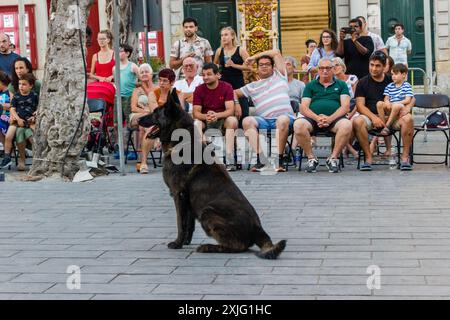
<point x="62" y="95"/>
<point x="126" y="34"/>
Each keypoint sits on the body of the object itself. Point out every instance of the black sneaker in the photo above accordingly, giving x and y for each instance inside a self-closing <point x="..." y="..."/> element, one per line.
<point x="258" y="167"/>
<point x="6" y="162"/>
<point x="312" y="165"/>
<point x="333" y="165"/>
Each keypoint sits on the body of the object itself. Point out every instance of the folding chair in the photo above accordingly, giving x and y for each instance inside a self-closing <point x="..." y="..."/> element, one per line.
<point x="288" y="152"/>
<point x="327" y="134"/>
<point x="398" y="140"/>
<point x="432" y="102"/>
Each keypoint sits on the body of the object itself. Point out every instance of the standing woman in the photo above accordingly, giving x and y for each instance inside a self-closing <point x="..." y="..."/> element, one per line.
<point x="230" y="57"/>
<point x="311" y="45"/>
<point x="326" y="49"/>
<point x="102" y="70"/>
<point x="103" y="61"/>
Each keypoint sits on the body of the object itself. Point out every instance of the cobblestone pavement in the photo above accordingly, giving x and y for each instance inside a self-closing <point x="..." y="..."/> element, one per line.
<point x="115" y="229"/>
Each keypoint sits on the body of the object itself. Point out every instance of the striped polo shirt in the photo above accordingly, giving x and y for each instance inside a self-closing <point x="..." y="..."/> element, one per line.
<point x="397" y="94"/>
<point x="270" y="96"/>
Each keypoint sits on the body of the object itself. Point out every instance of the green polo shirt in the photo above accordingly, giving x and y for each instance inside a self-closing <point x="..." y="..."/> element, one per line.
<point x="325" y="100"/>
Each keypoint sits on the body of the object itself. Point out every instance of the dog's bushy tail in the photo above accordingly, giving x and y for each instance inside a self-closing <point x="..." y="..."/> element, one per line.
<point x="273" y="251"/>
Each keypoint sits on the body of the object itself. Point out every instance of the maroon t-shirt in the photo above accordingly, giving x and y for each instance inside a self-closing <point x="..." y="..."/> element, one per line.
<point x="213" y="100"/>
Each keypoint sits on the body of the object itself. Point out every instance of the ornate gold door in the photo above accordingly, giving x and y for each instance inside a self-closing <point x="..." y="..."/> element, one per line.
<point x="259" y="24"/>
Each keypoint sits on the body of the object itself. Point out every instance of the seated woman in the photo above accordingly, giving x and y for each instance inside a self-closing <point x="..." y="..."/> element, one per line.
<point x="351" y="80"/>
<point x="143" y="102"/>
<point x="166" y="80"/>
<point x="21" y="67"/>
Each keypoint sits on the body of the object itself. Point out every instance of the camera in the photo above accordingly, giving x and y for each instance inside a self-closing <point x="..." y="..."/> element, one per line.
<point x="348" y="30"/>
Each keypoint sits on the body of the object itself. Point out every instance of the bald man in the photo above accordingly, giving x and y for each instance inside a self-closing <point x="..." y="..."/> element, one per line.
<point x="7" y="57"/>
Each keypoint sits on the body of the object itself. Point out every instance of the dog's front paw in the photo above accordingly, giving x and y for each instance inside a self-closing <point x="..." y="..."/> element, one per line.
<point x="175" y="245"/>
<point x="187" y="240"/>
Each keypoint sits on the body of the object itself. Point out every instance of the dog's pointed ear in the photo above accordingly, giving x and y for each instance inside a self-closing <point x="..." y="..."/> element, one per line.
<point x="145" y="121"/>
<point x="172" y="107"/>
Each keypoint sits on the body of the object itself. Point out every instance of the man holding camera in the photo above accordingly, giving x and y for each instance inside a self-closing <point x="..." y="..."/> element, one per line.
<point x="356" y="49"/>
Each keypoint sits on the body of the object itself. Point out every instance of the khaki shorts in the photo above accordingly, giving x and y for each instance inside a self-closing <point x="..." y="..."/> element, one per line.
<point x="369" y="125"/>
<point x="126" y="109"/>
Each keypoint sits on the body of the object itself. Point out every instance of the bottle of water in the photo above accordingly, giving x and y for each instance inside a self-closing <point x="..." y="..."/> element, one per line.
<point x="239" y="159"/>
<point x="297" y="157"/>
<point x="393" y="159"/>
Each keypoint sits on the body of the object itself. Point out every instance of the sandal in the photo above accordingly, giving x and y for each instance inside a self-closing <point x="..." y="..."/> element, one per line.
<point x="143" y="169"/>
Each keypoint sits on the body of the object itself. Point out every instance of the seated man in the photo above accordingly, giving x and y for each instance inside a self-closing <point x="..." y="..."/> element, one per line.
<point x="191" y="81"/>
<point x="325" y="104"/>
<point x="369" y="94"/>
<point x="270" y="96"/>
<point x="214" y="108"/>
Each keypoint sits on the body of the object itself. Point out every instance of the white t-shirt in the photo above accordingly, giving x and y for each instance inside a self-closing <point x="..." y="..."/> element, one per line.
<point x="184" y="87"/>
<point x="377" y="41"/>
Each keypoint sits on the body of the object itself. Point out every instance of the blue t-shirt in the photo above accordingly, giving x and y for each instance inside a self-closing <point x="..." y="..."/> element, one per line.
<point x="6" y="62"/>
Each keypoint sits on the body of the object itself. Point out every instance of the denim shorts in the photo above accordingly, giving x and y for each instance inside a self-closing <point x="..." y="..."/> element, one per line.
<point x="271" y="124"/>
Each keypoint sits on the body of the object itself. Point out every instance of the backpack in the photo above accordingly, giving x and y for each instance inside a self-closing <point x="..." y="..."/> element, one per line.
<point x="436" y="119"/>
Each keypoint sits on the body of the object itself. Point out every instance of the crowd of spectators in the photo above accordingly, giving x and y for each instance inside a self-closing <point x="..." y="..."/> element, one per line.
<point x="342" y="87"/>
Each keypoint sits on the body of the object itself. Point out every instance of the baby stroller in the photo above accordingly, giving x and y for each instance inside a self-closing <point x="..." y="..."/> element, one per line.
<point x="101" y="100"/>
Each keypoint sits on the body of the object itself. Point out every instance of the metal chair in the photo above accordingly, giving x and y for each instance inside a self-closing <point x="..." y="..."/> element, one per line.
<point x="327" y="134"/>
<point x="432" y="102"/>
<point x="398" y="140"/>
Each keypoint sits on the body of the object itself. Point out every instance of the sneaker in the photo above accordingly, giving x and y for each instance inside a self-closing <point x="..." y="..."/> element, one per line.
<point x="333" y="165"/>
<point x="312" y="165"/>
<point x="6" y="162"/>
<point x="231" y="167"/>
<point x="258" y="167"/>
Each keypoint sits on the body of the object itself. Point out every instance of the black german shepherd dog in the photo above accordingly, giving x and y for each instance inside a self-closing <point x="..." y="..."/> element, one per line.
<point x="206" y="192"/>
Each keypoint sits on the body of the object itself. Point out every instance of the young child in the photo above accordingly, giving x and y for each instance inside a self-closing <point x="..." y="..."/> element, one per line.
<point x="4" y="106"/>
<point x="397" y="95"/>
<point x="22" y="120"/>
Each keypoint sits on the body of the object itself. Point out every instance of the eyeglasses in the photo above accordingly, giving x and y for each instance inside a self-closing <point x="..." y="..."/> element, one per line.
<point x="188" y="65"/>
<point x="325" y="68"/>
